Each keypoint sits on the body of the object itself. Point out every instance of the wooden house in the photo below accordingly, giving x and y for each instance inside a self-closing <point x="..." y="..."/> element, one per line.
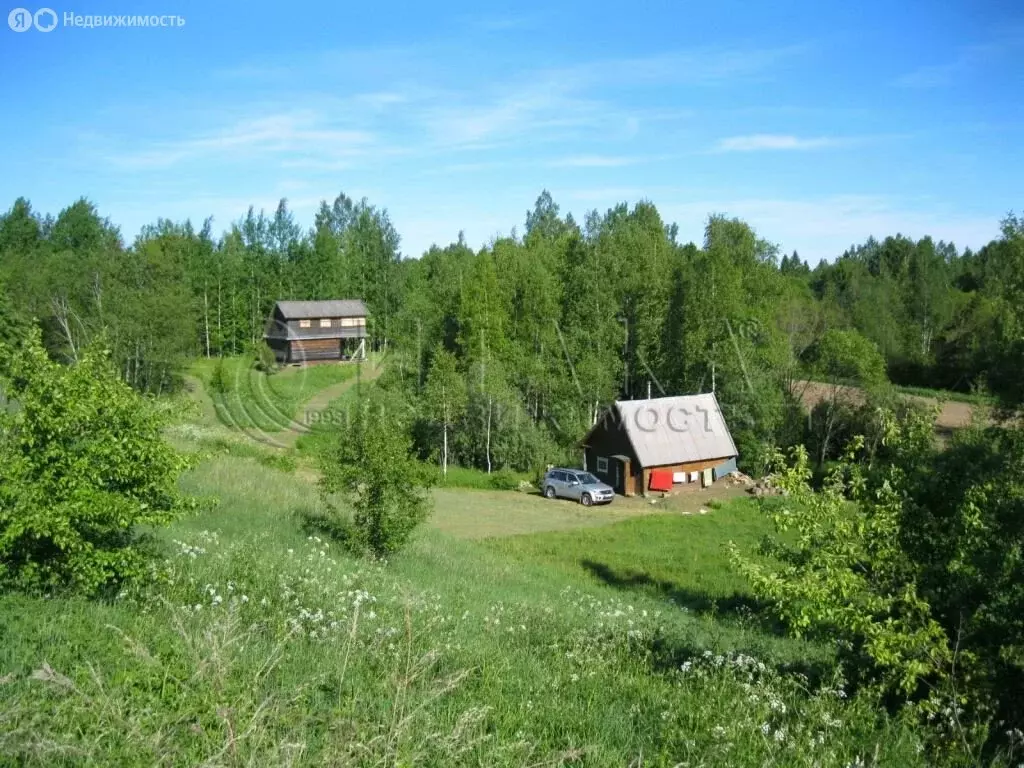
<point x="307" y="331"/>
<point x="681" y="439"/>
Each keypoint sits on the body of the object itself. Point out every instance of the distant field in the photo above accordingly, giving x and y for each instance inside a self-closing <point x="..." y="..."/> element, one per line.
<point x="955" y="414"/>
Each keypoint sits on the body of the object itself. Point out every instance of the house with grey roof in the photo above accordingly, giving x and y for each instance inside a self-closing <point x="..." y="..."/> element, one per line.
<point x="668" y="439"/>
<point x="310" y="331"/>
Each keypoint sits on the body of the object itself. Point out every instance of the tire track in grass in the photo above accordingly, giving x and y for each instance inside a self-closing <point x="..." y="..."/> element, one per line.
<point x="307" y="412"/>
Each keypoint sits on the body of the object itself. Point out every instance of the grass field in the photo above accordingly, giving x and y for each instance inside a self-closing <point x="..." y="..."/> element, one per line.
<point x="256" y="401"/>
<point x="515" y="631"/>
<point x="259" y="645"/>
<point x="666" y="556"/>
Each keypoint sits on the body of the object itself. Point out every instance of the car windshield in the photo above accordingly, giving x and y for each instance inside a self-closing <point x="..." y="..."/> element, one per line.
<point x="587" y="479"/>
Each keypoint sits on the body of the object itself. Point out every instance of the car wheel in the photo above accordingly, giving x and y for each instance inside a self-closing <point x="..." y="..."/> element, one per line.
<point x="549" y="492"/>
<point x="585" y="500"/>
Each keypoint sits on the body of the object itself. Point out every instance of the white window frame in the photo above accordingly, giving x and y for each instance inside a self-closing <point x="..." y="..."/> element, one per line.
<point x="304" y="323"/>
<point x="602" y="465"/>
<point x="325" y="322"/>
<point x="348" y="322"/>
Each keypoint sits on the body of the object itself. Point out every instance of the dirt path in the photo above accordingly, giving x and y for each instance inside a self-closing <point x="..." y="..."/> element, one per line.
<point x="307" y="412"/>
<point x="197" y="392"/>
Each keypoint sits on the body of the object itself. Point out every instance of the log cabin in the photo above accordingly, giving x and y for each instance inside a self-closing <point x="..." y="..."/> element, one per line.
<point x="309" y="331"/>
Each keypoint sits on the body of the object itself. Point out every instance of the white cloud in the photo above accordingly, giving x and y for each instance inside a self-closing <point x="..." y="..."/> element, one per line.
<point x="541" y="110"/>
<point x="301" y="134"/>
<point x="773" y="141"/>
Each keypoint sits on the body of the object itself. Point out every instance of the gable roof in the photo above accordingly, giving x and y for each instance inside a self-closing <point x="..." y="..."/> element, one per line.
<point x="306" y="310"/>
<point x="674" y="430"/>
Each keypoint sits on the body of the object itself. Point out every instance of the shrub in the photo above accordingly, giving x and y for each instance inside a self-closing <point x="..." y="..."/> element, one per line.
<point x="219" y="378"/>
<point x="264" y="358"/>
<point x="373" y="469"/>
<point x="82" y="467"/>
<point x="504" y="480"/>
<point x="904" y="583"/>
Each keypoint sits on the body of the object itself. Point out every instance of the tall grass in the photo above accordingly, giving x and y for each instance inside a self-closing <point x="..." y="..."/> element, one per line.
<point x="258" y="645"/>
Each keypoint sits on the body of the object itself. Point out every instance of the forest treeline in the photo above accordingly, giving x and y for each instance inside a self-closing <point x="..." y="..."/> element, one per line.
<point x="513" y="348"/>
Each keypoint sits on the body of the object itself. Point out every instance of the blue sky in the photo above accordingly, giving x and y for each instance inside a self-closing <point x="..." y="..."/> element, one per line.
<point x="819" y="123"/>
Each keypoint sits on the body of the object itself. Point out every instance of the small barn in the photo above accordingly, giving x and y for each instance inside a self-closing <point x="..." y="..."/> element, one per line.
<point x="641" y="445"/>
<point x="308" y="331"/>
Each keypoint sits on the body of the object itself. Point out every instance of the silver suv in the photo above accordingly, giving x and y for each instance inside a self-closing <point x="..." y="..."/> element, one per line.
<point x="578" y="485"/>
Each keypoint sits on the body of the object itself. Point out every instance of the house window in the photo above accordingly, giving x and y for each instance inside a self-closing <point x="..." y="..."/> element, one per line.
<point x="325" y="322"/>
<point x="348" y="322"/>
<point x="602" y="464"/>
<point x="360" y="321"/>
<point x="303" y="323"/>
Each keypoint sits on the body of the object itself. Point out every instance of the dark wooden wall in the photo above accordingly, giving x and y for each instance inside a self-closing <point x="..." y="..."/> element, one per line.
<point x="315" y="349"/>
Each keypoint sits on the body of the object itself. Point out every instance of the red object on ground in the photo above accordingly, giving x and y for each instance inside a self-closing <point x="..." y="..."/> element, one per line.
<point x="661" y="480"/>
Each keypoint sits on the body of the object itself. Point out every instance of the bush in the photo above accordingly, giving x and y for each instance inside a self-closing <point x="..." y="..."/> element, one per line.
<point x="82" y="467"/>
<point x="373" y="469"/>
<point x="219" y="378"/>
<point x="264" y="358"/>
<point x="505" y="480"/>
<point x="911" y="566"/>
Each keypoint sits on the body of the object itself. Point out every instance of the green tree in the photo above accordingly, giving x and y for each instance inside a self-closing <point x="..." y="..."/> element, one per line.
<point x="842" y="359"/>
<point x="13" y="325"/>
<point x="445" y="399"/>
<point x="375" y="473"/>
<point x="839" y="572"/>
<point x="83" y="467"/>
